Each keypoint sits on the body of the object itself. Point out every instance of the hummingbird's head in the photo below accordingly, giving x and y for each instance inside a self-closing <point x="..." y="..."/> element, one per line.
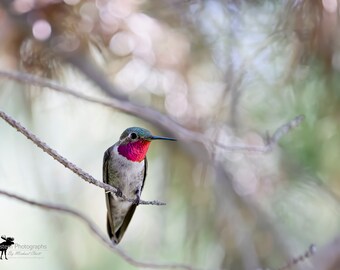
<point x="135" y="141"/>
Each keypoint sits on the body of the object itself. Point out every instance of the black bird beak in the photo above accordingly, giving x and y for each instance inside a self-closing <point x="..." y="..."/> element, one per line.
<point x="161" y="138"/>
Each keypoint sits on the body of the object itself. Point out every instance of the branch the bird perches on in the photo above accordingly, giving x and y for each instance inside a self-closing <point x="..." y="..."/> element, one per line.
<point x="71" y="166"/>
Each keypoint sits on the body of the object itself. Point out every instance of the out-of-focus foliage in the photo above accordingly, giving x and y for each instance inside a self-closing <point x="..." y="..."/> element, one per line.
<point x="232" y="70"/>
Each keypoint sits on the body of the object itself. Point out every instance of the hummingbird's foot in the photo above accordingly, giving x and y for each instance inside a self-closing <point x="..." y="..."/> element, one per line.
<point x="137" y="200"/>
<point x="119" y="193"/>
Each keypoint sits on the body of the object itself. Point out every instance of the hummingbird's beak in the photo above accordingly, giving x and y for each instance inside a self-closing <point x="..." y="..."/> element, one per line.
<point x="161" y="138"/>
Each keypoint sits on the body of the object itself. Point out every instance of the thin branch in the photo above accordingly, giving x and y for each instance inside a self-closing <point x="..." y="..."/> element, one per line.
<point x="78" y="171"/>
<point x="271" y="142"/>
<point x="284" y="129"/>
<point x="27" y="78"/>
<point x="97" y="232"/>
<point x="328" y="256"/>
<point x="309" y="253"/>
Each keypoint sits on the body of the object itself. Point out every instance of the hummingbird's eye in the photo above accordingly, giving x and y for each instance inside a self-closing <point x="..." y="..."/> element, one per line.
<point x="133" y="136"/>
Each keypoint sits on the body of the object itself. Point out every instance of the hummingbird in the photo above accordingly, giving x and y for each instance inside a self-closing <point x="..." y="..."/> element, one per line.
<point x="124" y="167"/>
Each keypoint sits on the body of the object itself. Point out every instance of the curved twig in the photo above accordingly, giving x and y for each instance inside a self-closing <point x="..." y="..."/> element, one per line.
<point x="270" y="141"/>
<point x="308" y="253"/>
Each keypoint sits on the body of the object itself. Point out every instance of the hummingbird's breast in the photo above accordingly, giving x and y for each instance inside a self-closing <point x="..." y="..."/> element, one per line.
<point x="124" y="174"/>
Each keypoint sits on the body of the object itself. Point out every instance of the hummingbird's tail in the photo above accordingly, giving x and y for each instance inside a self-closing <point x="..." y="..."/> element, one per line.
<point x="109" y="231"/>
<point x="113" y="238"/>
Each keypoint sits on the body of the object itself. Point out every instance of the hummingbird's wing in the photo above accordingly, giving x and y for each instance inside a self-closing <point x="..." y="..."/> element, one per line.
<point x="107" y="195"/>
<point x="116" y="236"/>
<point x="145" y="171"/>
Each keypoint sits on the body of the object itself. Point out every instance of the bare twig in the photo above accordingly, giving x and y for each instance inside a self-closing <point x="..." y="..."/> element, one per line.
<point x="328" y="256"/>
<point x="283" y="130"/>
<point x="271" y="142"/>
<point x="84" y="175"/>
<point x="97" y="232"/>
<point x="309" y="253"/>
<point x="27" y="78"/>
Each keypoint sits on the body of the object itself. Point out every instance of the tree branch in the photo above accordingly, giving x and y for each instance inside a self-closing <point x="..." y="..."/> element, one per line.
<point x="78" y="171"/>
<point x="309" y="253"/>
<point x="97" y="232"/>
<point x="328" y="256"/>
<point x="271" y="142"/>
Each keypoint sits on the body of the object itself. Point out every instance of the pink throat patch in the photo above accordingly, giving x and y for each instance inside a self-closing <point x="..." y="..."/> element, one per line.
<point x="135" y="151"/>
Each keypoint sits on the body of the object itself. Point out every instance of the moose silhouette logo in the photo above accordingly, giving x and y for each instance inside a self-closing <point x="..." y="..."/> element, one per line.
<point x="5" y="245"/>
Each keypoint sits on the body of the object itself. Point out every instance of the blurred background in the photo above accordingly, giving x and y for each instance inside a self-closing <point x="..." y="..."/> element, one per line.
<point x="233" y="71"/>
